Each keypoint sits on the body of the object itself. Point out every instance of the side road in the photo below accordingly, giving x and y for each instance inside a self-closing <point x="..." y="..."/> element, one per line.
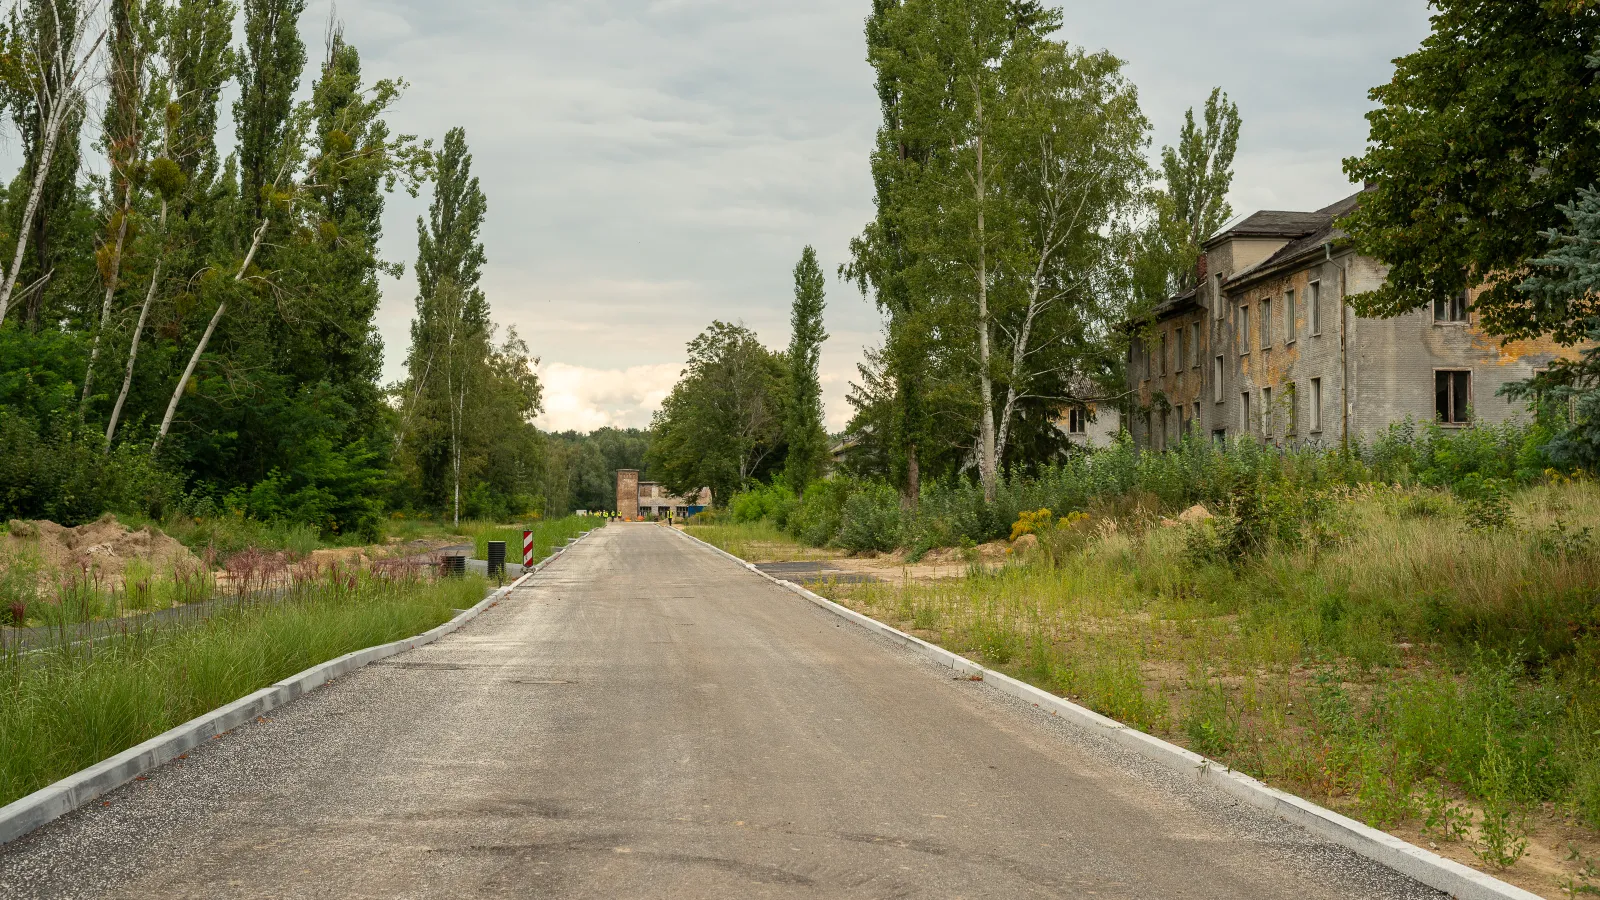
<point x="649" y="719"/>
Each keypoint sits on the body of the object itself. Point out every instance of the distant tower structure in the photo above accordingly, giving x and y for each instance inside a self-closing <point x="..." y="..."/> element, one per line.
<point x="628" y="493"/>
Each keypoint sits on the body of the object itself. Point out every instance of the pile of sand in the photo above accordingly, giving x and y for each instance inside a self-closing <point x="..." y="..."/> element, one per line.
<point x="105" y="546"/>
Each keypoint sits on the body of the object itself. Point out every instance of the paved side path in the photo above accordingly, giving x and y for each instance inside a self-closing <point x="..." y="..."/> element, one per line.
<point x="647" y="719"/>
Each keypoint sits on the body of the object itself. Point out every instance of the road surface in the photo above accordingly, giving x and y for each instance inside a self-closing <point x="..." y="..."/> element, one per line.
<point x="648" y="719"/>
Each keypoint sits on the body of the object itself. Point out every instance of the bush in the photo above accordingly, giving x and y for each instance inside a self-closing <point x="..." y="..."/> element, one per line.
<point x="765" y="502"/>
<point x="871" y="520"/>
<point x="49" y="474"/>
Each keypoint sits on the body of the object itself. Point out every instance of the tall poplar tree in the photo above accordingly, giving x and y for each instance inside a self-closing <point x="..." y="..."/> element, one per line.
<point x="451" y="334"/>
<point x="808" y="441"/>
<point x="269" y="73"/>
<point x="1193" y="202"/>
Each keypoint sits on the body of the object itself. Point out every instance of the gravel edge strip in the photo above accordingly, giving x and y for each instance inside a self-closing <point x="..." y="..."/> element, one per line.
<point x="1435" y="871"/>
<point x="56" y="800"/>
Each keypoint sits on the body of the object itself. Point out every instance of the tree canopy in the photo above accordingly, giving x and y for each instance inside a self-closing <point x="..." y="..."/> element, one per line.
<point x="1485" y="131"/>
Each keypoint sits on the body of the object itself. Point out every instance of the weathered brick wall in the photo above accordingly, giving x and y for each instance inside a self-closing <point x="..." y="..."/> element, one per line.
<point x="628" y="493"/>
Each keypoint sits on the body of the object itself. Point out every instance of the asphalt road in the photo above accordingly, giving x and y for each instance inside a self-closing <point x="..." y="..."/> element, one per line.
<point x="648" y="719"/>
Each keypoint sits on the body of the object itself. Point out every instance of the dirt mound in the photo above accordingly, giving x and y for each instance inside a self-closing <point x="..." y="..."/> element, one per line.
<point x="105" y="545"/>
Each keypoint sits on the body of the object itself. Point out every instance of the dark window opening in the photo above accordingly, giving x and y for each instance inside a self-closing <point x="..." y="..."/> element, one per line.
<point x="1450" y="309"/>
<point x="1452" y="396"/>
<point x="1077" y="421"/>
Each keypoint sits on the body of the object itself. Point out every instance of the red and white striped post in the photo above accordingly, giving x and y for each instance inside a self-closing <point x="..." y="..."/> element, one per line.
<point x="527" y="549"/>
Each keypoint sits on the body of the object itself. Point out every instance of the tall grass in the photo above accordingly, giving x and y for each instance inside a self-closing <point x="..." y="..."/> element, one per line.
<point x="1403" y="648"/>
<point x="65" y="708"/>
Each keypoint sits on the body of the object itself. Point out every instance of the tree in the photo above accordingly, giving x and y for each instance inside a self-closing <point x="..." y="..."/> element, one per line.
<point x="52" y="45"/>
<point x="450" y="357"/>
<point x="1570" y="275"/>
<point x="123" y="133"/>
<point x="1075" y="141"/>
<point x="722" y="424"/>
<point x="808" y="441"/>
<point x="191" y="38"/>
<point x="269" y="73"/>
<point x="1007" y="166"/>
<point x="271" y="147"/>
<point x="1193" y="203"/>
<point x="1481" y="136"/>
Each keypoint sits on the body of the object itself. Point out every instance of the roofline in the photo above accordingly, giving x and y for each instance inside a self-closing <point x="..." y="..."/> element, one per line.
<point x="1251" y="277"/>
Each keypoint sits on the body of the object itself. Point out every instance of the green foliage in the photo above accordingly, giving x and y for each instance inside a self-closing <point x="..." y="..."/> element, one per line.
<point x="1482" y="133"/>
<point x="722" y="427"/>
<point x="996" y="297"/>
<point x="803" y="431"/>
<point x="1193" y="204"/>
<point x="773" y="503"/>
<point x="870" y="519"/>
<point x="47" y="474"/>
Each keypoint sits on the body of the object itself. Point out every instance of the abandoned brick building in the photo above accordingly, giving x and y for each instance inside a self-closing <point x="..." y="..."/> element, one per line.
<point x="1266" y="345"/>
<point x="648" y="500"/>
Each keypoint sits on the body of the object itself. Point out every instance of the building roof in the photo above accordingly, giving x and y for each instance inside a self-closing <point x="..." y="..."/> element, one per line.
<point x="1326" y="232"/>
<point x="1270" y="223"/>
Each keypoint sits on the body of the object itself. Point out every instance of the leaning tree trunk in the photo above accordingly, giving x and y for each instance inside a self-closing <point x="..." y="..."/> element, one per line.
<point x="200" y="348"/>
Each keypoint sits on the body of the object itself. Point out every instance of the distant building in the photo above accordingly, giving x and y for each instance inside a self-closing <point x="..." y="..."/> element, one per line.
<point x="649" y="500"/>
<point x="1267" y="346"/>
<point x="1090" y="424"/>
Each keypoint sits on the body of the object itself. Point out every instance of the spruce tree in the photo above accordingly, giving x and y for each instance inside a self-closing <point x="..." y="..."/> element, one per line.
<point x="808" y="442"/>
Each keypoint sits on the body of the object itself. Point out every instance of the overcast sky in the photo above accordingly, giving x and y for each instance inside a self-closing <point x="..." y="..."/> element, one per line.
<point x="652" y="165"/>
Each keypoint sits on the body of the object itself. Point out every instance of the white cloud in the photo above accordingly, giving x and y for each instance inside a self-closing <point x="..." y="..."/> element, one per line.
<point x="577" y="398"/>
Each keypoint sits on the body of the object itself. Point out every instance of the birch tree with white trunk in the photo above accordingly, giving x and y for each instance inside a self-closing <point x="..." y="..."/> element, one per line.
<point x="58" y="72"/>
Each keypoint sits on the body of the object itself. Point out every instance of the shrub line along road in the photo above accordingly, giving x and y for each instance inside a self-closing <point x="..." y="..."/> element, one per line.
<point x="648" y="719"/>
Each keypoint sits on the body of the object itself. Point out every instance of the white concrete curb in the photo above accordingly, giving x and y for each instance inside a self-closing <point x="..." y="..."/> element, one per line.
<point x="54" y="801"/>
<point x="1455" y="879"/>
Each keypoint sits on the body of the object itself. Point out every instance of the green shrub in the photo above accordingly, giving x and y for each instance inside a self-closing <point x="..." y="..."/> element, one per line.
<point x="870" y="520"/>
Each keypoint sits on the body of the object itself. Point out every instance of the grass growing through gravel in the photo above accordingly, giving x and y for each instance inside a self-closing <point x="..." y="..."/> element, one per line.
<point x="67" y="708"/>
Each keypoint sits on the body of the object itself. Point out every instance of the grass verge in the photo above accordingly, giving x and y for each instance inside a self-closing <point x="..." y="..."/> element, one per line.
<point x="64" y="709"/>
<point x="1415" y="664"/>
<point x="758" y="541"/>
<point x="548" y="535"/>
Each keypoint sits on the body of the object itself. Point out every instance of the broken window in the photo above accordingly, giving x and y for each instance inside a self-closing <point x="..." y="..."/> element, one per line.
<point x="1163" y="353"/>
<point x="1194" y="344"/>
<point x="1288" y="317"/>
<point x="1450" y="309"/>
<point x="1244" y="414"/>
<point x="1216" y="378"/>
<point x="1291" y="399"/>
<point x="1314" y="306"/>
<point x="1266" y="324"/>
<point x="1244" y="329"/>
<point x="1452" y="393"/>
<point x="1220" y="437"/>
<point x="1266" y="411"/>
<point x="1196" y="419"/>
<point x="1316" y="405"/>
